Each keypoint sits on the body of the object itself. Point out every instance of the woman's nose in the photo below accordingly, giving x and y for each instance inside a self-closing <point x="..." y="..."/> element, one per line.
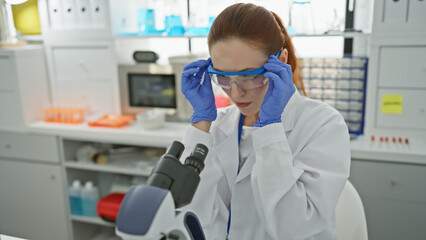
<point x="236" y="91"/>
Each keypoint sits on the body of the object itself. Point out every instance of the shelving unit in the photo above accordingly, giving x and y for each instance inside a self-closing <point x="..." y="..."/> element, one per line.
<point x="109" y="169"/>
<point x="336" y="34"/>
<point x="128" y="164"/>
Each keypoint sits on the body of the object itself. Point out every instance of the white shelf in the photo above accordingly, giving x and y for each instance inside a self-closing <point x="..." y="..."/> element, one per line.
<point x="157" y="36"/>
<point x="342" y="34"/>
<point x="336" y="34"/>
<point x="92" y="220"/>
<point x="110" y="169"/>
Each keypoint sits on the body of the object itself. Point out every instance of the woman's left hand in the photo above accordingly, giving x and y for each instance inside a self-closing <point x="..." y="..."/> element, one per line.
<point x="281" y="88"/>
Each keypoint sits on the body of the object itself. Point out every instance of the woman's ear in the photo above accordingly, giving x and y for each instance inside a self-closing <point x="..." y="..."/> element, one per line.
<point x="283" y="57"/>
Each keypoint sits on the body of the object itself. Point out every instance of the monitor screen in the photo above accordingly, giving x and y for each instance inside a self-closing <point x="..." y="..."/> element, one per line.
<point x="152" y="90"/>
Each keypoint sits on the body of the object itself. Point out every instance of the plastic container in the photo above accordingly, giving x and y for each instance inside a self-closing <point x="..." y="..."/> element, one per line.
<point x="89" y="197"/>
<point x="26" y="17"/>
<point x="112" y="120"/>
<point x="152" y="119"/>
<point x="75" y="198"/>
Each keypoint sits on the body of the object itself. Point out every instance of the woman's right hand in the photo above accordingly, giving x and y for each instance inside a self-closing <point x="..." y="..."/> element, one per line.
<point x="199" y="93"/>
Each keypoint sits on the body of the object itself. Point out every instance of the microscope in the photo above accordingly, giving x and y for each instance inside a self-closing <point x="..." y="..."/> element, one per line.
<point x="151" y="211"/>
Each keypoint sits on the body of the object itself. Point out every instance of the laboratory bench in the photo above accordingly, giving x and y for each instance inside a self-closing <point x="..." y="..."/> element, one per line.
<point x="38" y="164"/>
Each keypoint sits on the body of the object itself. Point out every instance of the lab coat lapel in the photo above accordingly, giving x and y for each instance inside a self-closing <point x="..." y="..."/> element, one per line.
<point x="227" y="146"/>
<point x="227" y="149"/>
<point x="288" y="121"/>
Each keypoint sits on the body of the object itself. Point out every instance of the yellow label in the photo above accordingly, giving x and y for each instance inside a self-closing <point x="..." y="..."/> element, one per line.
<point x="392" y="104"/>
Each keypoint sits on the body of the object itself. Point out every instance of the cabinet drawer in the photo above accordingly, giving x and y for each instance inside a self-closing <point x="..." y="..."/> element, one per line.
<point x="7" y="70"/>
<point x="29" y="146"/>
<point x="413" y="115"/>
<point x="389" y="180"/>
<point x="396" y="73"/>
<point x="83" y="63"/>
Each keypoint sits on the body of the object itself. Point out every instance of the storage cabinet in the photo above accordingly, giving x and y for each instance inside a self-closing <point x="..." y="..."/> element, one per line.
<point x="402" y="66"/>
<point x="32" y="195"/>
<point x="394" y="198"/>
<point x="9" y="106"/>
<point x="32" y="203"/>
<point x="8" y="71"/>
<point x="23" y="85"/>
<point x="405" y="16"/>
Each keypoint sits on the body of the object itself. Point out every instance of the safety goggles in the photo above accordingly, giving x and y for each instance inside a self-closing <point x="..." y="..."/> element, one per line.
<point x="246" y="80"/>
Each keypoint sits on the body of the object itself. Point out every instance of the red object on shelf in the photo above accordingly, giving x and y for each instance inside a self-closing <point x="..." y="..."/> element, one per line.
<point x="381" y="139"/>
<point x="400" y="140"/>
<point x="109" y="205"/>
<point x="393" y="139"/>
<point x="386" y="139"/>
<point x="372" y="138"/>
<point x="406" y="141"/>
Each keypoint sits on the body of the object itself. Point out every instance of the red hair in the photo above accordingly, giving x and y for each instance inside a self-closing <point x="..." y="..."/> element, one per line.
<point x="259" y="27"/>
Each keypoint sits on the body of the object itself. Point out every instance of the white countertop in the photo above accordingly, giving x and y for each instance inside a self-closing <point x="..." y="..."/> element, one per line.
<point x="362" y="148"/>
<point x="131" y="134"/>
<point x="414" y="152"/>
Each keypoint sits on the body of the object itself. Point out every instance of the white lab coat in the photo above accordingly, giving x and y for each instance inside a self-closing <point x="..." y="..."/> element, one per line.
<point x="290" y="183"/>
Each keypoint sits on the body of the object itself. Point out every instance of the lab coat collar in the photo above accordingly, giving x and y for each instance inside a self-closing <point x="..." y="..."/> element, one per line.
<point x="228" y="139"/>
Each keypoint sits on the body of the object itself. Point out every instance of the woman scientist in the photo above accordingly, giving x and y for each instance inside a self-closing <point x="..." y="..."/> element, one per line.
<point x="278" y="161"/>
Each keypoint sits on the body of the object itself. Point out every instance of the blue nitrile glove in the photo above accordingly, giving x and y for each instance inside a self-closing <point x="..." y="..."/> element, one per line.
<point x="199" y="95"/>
<point x="280" y="90"/>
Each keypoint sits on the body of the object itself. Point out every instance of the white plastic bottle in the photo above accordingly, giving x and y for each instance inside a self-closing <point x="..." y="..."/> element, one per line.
<point x="75" y="198"/>
<point x="90" y="197"/>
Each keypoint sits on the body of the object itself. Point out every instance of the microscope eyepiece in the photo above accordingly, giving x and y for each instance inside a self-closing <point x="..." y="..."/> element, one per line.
<point x="180" y="179"/>
<point x="197" y="157"/>
<point x="175" y="149"/>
